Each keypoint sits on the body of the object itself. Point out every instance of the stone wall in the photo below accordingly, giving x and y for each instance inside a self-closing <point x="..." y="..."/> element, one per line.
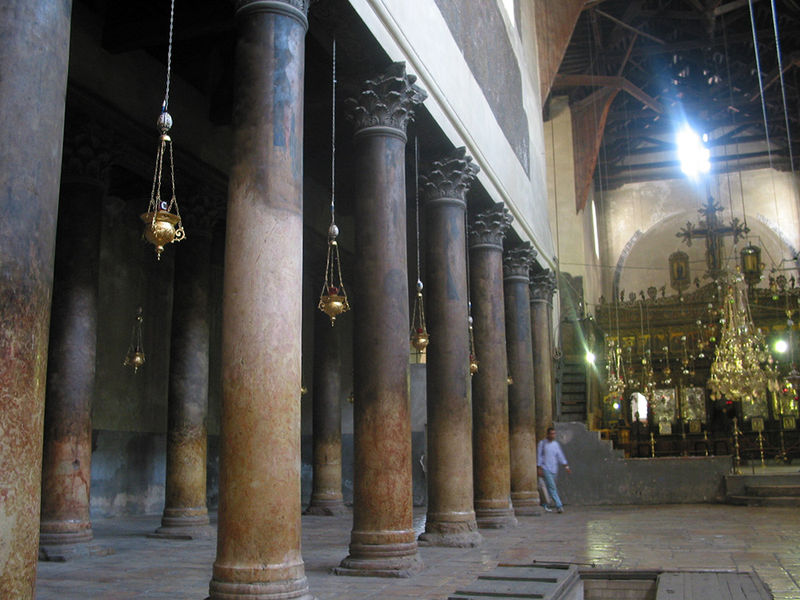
<point x="601" y="475"/>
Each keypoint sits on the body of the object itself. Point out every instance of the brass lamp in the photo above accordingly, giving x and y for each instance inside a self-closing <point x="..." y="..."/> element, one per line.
<point x="135" y="355"/>
<point x="751" y="264"/>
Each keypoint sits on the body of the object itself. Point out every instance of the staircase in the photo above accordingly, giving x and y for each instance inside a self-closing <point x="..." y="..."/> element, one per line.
<point x="573" y="390"/>
<point x="768" y="489"/>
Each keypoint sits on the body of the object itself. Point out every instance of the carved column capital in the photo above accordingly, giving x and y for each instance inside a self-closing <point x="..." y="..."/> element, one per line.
<point x="517" y="262"/>
<point x="297" y="9"/>
<point x="449" y="178"/>
<point x="386" y="101"/>
<point x="542" y="286"/>
<point x="89" y="151"/>
<point x="489" y="227"/>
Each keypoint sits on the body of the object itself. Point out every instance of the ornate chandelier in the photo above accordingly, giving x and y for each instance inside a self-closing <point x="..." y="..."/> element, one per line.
<point x="743" y="367"/>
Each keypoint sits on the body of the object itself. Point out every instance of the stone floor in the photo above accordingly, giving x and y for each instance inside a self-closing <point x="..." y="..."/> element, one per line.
<point x="673" y="537"/>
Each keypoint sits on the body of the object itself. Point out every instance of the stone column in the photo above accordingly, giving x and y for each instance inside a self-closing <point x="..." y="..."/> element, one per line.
<point x="541" y="290"/>
<point x="382" y="542"/>
<point x="451" y="518"/>
<point x="185" y="511"/>
<point x="489" y="385"/>
<point x="258" y="542"/>
<point x="326" y="494"/>
<point x="521" y="422"/>
<point x="34" y="51"/>
<point x="67" y="451"/>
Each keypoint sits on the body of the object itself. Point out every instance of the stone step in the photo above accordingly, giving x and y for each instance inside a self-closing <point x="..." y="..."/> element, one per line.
<point x="771" y="490"/>
<point x="764" y="501"/>
<point x="711" y="586"/>
<point x="507" y="581"/>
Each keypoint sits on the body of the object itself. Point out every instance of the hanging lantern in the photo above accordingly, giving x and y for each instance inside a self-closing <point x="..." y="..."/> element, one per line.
<point x="333" y="298"/>
<point x="473" y="360"/>
<point x="163" y="219"/>
<point x="135" y="356"/>
<point x="419" y="332"/>
<point x="679" y="275"/>
<point x="751" y="264"/>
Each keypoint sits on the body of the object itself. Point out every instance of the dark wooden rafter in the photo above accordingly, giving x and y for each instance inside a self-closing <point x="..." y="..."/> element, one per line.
<point x="701" y="68"/>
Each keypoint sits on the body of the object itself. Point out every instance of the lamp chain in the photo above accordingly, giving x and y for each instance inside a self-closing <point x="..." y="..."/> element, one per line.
<point x="165" y="104"/>
<point x="333" y="137"/>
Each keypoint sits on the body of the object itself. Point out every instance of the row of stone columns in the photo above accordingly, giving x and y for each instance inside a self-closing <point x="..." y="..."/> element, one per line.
<point x="258" y="548"/>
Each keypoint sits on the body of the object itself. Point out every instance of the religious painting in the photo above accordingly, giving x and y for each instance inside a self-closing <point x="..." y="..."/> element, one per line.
<point x="695" y="426"/>
<point x="757" y="424"/>
<point x="789" y="423"/>
<point x="754" y="406"/>
<point x="664" y="428"/>
<point x="693" y="404"/>
<point x="664" y="405"/>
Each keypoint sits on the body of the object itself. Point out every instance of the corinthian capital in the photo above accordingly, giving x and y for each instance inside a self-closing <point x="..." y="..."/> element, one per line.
<point x="489" y="227"/>
<point x="247" y="6"/>
<point x="450" y="177"/>
<point x="388" y="100"/>
<point x="543" y="285"/>
<point x="517" y="261"/>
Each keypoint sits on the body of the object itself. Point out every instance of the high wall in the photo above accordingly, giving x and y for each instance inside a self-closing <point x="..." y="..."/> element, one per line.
<point x="573" y="233"/>
<point x="640" y="220"/>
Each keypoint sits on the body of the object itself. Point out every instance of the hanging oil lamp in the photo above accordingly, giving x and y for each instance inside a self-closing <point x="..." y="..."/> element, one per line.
<point x="473" y="360"/>
<point x="333" y="298"/>
<point x="162" y="220"/>
<point x="135" y="355"/>
<point x="419" y="331"/>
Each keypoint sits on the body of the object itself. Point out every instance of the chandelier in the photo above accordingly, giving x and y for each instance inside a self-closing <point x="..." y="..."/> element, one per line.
<point x="743" y="369"/>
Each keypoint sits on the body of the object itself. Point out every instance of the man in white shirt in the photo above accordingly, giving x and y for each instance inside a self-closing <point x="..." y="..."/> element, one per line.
<point x="548" y="456"/>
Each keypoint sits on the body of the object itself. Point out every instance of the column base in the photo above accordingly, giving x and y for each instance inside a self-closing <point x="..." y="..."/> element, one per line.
<point x="292" y="589"/>
<point x="326" y="508"/>
<point x="495" y="518"/>
<point x="67" y="552"/>
<point x="465" y="539"/>
<point x="455" y="534"/>
<point x="381" y="560"/>
<point x="526" y="504"/>
<point x="184" y="532"/>
<point x="184" y="524"/>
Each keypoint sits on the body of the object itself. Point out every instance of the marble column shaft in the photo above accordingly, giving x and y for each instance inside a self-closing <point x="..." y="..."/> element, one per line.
<point x="326" y="494"/>
<point x="67" y="450"/>
<point x="451" y="517"/>
<point x="541" y="290"/>
<point x="522" y="438"/>
<point x="382" y="542"/>
<point x="185" y="510"/>
<point x="34" y="52"/>
<point x="258" y="542"/>
<point x="493" y="507"/>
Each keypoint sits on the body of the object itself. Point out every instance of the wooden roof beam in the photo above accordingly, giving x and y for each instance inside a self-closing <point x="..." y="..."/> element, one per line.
<point x="617" y="83"/>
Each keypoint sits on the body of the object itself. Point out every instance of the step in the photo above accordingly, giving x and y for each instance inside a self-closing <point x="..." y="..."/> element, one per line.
<point x="769" y="490"/>
<point x="544" y="581"/>
<point x="764" y="501"/>
<point x="711" y="586"/>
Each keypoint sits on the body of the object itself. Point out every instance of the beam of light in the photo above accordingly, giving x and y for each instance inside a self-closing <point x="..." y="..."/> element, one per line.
<point x="694" y="156"/>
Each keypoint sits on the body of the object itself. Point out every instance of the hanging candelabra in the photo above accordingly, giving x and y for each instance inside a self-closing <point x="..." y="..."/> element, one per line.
<point x="419" y="331"/>
<point x="162" y="220"/>
<point x="333" y="299"/>
<point x="742" y="365"/>
<point x="135" y="355"/>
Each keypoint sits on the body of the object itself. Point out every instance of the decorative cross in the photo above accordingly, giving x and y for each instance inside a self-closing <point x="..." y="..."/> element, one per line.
<point x="713" y="230"/>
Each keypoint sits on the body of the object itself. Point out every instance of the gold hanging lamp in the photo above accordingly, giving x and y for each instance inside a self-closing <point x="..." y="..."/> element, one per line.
<point x="473" y="359"/>
<point x="135" y="355"/>
<point x="419" y="330"/>
<point x="333" y="298"/>
<point x="162" y="220"/>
